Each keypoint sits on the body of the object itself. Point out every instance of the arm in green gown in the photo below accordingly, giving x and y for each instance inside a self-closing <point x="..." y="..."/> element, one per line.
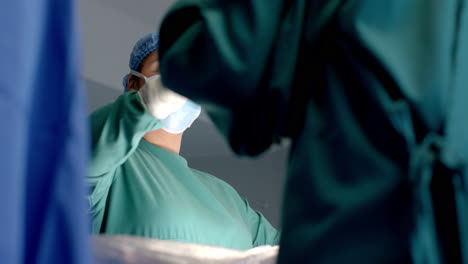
<point x="217" y="51"/>
<point x="116" y="131"/>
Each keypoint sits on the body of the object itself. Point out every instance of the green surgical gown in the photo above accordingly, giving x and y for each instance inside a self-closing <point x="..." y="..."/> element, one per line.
<point x="140" y="189"/>
<point x="356" y="85"/>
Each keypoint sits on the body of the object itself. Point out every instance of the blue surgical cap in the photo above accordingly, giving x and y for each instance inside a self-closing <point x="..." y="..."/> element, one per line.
<point x="141" y="49"/>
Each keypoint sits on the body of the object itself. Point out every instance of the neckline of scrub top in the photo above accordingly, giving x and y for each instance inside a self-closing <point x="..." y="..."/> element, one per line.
<point x="163" y="152"/>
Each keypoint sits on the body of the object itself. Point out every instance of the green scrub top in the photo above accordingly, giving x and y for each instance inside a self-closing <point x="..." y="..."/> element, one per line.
<point x="140" y="189"/>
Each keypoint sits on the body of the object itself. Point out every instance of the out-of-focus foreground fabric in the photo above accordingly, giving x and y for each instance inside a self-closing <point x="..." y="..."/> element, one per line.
<point x="373" y="95"/>
<point x="43" y="135"/>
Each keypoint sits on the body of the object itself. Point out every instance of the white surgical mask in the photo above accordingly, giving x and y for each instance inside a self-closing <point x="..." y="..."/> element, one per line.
<point x="158" y="100"/>
<point x="175" y="111"/>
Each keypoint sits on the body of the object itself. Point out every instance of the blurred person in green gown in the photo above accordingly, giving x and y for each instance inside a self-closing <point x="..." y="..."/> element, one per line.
<point x="373" y="95"/>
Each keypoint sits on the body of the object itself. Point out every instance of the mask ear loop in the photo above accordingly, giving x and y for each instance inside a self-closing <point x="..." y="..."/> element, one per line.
<point x="137" y="74"/>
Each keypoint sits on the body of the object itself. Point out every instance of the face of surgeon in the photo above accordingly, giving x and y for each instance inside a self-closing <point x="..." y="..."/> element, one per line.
<point x="149" y="67"/>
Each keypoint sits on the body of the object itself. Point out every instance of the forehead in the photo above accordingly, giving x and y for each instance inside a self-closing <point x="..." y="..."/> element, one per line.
<point x="150" y="64"/>
<point x="152" y="57"/>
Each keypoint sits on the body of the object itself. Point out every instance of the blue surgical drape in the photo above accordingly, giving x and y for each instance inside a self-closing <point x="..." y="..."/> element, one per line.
<point x="44" y="147"/>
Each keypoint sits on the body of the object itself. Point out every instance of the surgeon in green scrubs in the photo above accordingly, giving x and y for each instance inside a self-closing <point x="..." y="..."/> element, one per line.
<point x="141" y="186"/>
<point x="373" y="94"/>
